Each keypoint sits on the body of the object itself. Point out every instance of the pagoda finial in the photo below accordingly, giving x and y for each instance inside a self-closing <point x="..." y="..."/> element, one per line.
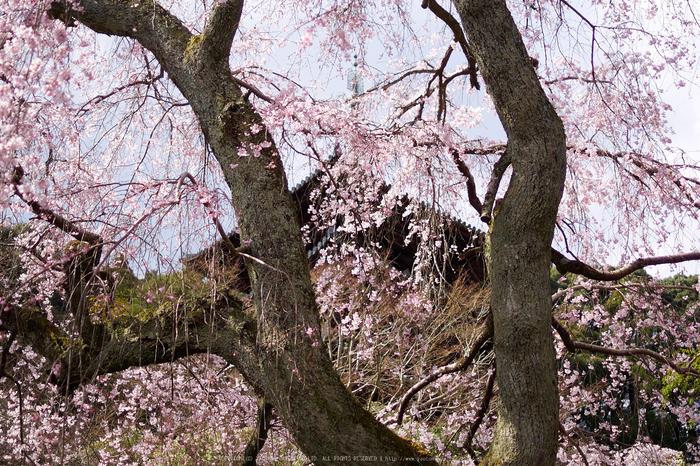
<point x="355" y="84"/>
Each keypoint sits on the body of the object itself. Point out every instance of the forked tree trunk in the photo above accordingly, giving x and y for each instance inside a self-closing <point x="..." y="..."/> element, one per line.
<point x="326" y="421"/>
<point x="520" y="240"/>
<point x="298" y="378"/>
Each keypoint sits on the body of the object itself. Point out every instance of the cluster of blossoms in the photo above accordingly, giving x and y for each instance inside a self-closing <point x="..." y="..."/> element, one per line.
<point x="181" y="412"/>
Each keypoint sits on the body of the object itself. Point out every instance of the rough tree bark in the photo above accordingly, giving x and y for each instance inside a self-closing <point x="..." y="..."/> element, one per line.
<point x="323" y="417"/>
<point x="520" y="239"/>
<point x="228" y="333"/>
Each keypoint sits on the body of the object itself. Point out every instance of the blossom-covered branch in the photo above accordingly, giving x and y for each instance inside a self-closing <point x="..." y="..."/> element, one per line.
<point x="50" y="216"/>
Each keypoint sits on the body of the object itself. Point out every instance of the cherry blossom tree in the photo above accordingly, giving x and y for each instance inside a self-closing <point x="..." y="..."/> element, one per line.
<point x="133" y="132"/>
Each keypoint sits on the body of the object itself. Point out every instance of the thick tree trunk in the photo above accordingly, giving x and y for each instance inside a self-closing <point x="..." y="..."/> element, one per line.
<point x="321" y="414"/>
<point x="520" y="239"/>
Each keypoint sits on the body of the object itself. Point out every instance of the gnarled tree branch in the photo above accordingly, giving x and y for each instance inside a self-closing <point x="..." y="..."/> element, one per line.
<point x="219" y="32"/>
<point x="300" y="380"/>
<point x="573" y="345"/>
<point x="132" y="342"/>
<point x="565" y="265"/>
<point x="499" y="169"/>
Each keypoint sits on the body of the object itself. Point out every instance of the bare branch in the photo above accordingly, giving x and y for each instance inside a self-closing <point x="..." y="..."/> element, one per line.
<point x="565" y="265"/>
<point x="471" y="186"/>
<point x="453" y="24"/>
<point x="499" y="169"/>
<point x="140" y="82"/>
<point x="573" y="345"/>
<point x="576" y="78"/>
<point x="483" y="335"/>
<point x="386" y="86"/>
<point x="254" y="90"/>
<point x="593" y="40"/>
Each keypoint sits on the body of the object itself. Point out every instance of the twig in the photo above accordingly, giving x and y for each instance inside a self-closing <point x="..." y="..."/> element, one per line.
<point x="99" y="98"/>
<point x="227" y="241"/>
<point x="593" y="29"/>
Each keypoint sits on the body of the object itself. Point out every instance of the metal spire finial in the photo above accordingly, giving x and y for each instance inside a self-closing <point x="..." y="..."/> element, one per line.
<point x="355" y="84"/>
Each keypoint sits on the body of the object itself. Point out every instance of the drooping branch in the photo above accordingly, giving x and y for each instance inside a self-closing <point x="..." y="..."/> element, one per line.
<point x="652" y="168"/>
<point x="483" y="335"/>
<point x="50" y="216"/>
<point x="241" y="251"/>
<point x="565" y="265"/>
<point x="561" y="293"/>
<point x="99" y="348"/>
<point x="442" y="86"/>
<point x="573" y="345"/>
<point x="439" y="72"/>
